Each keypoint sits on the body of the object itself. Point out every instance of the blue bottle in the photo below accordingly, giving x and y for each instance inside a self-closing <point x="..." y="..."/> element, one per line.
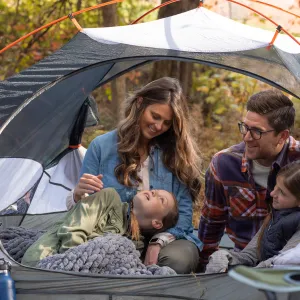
<point x="7" y="285"/>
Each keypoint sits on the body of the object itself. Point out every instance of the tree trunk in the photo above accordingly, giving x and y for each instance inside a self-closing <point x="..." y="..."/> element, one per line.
<point x="118" y="86"/>
<point x="180" y="70"/>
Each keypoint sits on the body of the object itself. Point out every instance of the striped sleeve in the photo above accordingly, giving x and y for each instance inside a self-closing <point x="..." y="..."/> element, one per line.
<point x="214" y="212"/>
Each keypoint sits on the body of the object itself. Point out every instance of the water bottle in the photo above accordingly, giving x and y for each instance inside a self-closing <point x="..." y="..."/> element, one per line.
<point x="7" y="285"/>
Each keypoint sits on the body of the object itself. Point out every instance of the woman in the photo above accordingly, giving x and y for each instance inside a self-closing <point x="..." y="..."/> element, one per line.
<point x="152" y="148"/>
<point x="279" y="232"/>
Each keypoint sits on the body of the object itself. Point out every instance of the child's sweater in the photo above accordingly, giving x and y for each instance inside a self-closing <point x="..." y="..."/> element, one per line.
<point x="283" y="224"/>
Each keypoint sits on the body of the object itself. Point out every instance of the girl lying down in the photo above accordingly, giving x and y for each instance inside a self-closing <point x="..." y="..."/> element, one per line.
<point x="148" y="213"/>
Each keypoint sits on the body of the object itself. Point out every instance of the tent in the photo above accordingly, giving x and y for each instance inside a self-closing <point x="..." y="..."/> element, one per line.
<point x="43" y="111"/>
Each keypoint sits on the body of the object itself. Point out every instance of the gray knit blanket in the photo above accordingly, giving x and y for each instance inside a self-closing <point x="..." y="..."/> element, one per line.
<point x="16" y="240"/>
<point x="110" y="254"/>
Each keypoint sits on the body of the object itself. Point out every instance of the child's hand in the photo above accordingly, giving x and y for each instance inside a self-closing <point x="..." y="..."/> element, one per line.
<point x="88" y="184"/>
<point x="218" y="262"/>
<point x="152" y="254"/>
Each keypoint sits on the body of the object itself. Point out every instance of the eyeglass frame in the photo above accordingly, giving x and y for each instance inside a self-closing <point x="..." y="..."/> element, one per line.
<point x="250" y="129"/>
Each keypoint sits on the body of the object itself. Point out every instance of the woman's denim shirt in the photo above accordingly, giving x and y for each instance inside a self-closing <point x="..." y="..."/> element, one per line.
<point x="102" y="158"/>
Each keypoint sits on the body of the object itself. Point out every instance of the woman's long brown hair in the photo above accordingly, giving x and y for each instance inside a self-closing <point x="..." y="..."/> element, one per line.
<point x="291" y="180"/>
<point x="180" y="152"/>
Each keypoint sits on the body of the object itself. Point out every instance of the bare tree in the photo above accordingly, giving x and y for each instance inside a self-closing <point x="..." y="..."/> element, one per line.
<point x="180" y="70"/>
<point x="118" y="86"/>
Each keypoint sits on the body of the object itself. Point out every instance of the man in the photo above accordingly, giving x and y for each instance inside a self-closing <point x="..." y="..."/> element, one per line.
<point x="239" y="179"/>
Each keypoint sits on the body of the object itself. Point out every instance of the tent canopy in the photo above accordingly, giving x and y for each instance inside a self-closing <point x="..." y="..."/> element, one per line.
<point x="42" y="111"/>
<point x="40" y="106"/>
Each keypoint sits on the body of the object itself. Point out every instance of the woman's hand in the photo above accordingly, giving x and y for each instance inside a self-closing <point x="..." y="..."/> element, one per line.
<point x="152" y="254"/>
<point x="88" y="184"/>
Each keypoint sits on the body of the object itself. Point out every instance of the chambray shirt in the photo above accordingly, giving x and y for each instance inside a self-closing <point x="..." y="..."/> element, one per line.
<point x="232" y="198"/>
<point x="102" y="158"/>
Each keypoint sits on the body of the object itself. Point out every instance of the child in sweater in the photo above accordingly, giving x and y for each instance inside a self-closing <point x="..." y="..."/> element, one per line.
<point x="149" y="212"/>
<point x="279" y="232"/>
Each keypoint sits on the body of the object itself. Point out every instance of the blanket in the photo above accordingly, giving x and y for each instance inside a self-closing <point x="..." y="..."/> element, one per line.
<point x="16" y="240"/>
<point x="110" y="254"/>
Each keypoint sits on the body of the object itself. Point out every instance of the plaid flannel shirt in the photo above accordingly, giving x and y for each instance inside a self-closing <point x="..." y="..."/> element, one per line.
<point x="233" y="201"/>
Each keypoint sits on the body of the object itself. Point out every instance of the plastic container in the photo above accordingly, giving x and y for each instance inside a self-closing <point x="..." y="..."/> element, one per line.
<point x="7" y="285"/>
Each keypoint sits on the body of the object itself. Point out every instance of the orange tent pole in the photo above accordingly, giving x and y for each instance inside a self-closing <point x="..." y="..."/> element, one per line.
<point x="153" y="9"/>
<point x="57" y="21"/>
<point x="274" y="6"/>
<point x="159" y="6"/>
<point x="286" y="32"/>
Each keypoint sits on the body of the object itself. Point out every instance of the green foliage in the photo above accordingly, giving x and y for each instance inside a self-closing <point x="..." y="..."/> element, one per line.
<point x="221" y="92"/>
<point x="130" y="10"/>
<point x="90" y="134"/>
<point x="23" y="16"/>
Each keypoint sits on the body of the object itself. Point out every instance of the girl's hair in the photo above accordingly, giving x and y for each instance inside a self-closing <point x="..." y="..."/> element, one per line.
<point x="169" y="221"/>
<point x="291" y="179"/>
<point x="180" y="153"/>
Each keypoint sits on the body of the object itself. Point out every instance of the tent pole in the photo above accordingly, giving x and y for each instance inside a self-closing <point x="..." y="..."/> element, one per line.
<point x="57" y="21"/>
<point x="153" y="9"/>
<point x="74" y="21"/>
<point x="270" y="20"/>
<point x="277" y="7"/>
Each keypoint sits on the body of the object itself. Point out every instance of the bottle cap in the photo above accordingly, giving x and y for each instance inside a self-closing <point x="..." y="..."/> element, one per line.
<point x="4" y="265"/>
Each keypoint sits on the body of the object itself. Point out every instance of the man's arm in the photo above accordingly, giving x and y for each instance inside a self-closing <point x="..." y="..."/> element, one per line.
<point x="214" y="212"/>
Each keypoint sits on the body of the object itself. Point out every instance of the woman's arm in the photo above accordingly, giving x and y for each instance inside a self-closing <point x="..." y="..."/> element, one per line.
<point x="90" y="181"/>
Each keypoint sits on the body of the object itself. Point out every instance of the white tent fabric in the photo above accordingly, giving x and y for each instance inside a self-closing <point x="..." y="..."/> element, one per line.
<point x="16" y="171"/>
<point x="198" y="30"/>
<point x="56" y="183"/>
<point x="52" y="184"/>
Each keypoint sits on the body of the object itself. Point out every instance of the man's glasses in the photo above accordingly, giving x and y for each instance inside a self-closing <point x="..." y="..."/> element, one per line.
<point x="255" y="133"/>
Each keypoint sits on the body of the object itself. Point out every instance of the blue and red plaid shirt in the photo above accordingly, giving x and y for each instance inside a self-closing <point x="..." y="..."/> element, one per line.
<point x="233" y="201"/>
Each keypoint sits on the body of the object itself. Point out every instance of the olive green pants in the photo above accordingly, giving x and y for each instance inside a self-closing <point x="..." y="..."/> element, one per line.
<point x="180" y="255"/>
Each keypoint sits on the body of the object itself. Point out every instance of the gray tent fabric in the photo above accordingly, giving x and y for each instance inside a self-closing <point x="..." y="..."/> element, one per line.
<point x="111" y="254"/>
<point x="39" y="284"/>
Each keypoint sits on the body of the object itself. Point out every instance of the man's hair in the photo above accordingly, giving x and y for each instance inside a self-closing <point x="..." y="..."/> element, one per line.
<point x="277" y="107"/>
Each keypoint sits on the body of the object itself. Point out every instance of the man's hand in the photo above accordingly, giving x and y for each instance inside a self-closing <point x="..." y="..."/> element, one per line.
<point x="88" y="184"/>
<point x="152" y="254"/>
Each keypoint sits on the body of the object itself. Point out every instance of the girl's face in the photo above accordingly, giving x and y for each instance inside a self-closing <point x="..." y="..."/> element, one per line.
<point x="282" y="197"/>
<point x="155" y="120"/>
<point x="150" y="207"/>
